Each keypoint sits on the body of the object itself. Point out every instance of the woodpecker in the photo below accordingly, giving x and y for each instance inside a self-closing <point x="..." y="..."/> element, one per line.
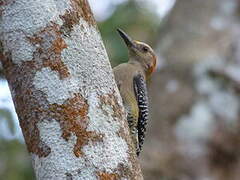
<point x="131" y="81"/>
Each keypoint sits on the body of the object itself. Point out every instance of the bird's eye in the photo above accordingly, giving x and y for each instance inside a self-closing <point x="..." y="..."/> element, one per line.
<point x="145" y="49"/>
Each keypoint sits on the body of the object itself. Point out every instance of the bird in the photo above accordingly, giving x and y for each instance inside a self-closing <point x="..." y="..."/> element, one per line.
<point x="131" y="80"/>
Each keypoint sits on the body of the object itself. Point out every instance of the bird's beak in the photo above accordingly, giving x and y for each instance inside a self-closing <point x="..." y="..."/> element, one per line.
<point x="126" y="38"/>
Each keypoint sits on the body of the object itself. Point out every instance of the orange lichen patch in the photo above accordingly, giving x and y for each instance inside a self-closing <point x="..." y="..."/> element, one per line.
<point x="70" y="18"/>
<point x="29" y="115"/>
<point x="118" y="111"/>
<point x="85" y="11"/>
<point x="73" y="119"/>
<point x="80" y="9"/>
<point x="57" y="66"/>
<point x="32" y="107"/>
<point x="28" y="102"/>
<point x="31" y="104"/>
<point x="58" y="45"/>
<point x="111" y="100"/>
<point x="124" y="171"/>
<point x="107" y="176"/>
<point x="49" y="45"/>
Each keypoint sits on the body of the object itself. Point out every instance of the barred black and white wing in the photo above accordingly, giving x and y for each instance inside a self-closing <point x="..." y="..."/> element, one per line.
<point x="140" y="90"/>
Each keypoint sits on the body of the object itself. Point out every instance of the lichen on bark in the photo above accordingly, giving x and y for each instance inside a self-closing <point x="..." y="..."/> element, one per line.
<point x="64" y="91"/>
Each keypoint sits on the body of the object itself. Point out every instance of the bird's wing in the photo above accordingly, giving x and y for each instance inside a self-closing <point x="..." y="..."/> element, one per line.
<point x="140" y="90"/>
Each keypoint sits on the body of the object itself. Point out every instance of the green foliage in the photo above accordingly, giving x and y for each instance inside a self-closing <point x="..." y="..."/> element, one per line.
<point x="15" y="161"/>
<point x="7" y="115"/>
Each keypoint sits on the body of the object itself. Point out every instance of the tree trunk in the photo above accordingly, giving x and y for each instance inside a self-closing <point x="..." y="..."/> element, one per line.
<point x="62" y="85"/>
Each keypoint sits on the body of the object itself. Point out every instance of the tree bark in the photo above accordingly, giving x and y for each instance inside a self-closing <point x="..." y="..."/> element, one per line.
<point x="64" y="92"/>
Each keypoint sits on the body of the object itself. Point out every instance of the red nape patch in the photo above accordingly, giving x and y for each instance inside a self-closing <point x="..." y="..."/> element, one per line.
<point x="153" y="67"/>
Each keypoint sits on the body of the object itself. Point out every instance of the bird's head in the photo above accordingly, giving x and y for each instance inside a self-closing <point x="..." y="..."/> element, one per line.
<point x="140" y="52"/>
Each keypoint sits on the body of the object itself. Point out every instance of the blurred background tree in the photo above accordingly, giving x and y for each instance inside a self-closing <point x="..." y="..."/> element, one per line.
<point x="194" y="131"/>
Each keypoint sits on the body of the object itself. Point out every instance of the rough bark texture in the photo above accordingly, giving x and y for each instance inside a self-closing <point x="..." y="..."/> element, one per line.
<point x="194" y="132"/>
<point x="68" y="105"/>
